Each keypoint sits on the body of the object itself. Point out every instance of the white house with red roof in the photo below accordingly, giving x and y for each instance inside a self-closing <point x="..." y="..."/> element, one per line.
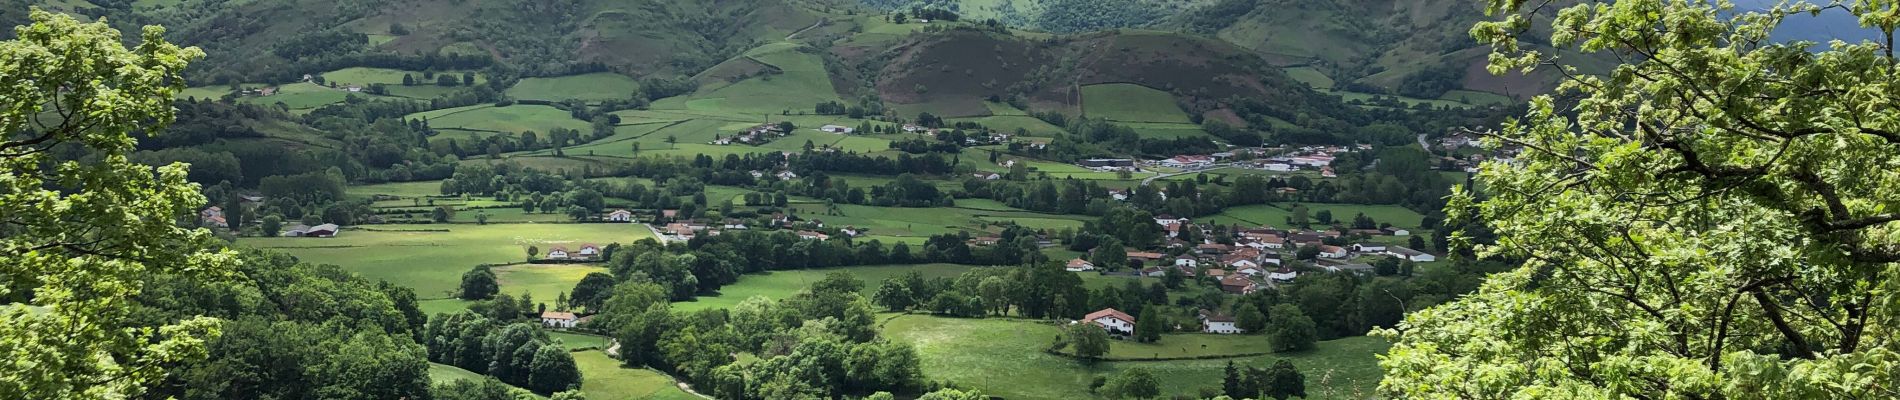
<point x="1115" y="321"/>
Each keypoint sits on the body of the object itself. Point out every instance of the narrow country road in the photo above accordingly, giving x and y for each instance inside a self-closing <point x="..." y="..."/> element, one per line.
<point x="814" y="25"/>
<point x="656" y="234"/>
<point x="1423" y="144"/>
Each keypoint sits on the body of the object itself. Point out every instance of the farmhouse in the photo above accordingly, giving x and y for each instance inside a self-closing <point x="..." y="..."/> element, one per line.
<point x="1079" y="265"/>
<point x="213" y="216"/>
<point x="1283" y="275"/>
<point x="836" y="129"/>
<point x="813" y="235"/>
<point x="1369" y="248"/>
<point x="1115" y="321"/>
<point x="1185" y="261"/>
<point x="559" y="320"/>
<point x="587" y="252"/>
<point x="1331" y="251"/>
<point x="1395" y="231"/>
<point x="558" y="253"/>
<point x="1212" y="322"/>
<point x="620" y="216"/>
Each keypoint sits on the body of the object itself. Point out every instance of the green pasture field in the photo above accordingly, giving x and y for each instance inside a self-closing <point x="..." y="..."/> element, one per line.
<point x="802" y="83"/>
<point x="782" y="284"/>
<point x="304" y="96"/>
<point x="433" y="307"/>
<point x="544" y="281"/>
<point x="1003" y="109"/>
<point x="578" y="341"/>
<point x="923" y="222"/>
<point x="1276" y="214"/>
<point x="444" y="373"/>
<point x="1311" y="77"/>
<point x="1004" y="357"/>
<point x="512" y="119"/>
<point x="213" y="92"/>
<point x="589" y="87"/>
<point x="603" y="378"/>
<point x="431" y="261"/>
<point x="1475" y="97"/>
<point x="398" y="189"/>
<point x="1131" y="103"/>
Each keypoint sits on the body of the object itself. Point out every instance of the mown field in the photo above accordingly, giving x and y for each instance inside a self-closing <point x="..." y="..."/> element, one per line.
<point x="924" y="222"/>
<point x="783" y="284"/>
<point x="432" y="257"/>
<point x="603" y="378"/>
<point x="511" y="119"/>
<point x="1131" y="103"/>
<point x="1004" y="357"/>
<point x="800" y="81"/>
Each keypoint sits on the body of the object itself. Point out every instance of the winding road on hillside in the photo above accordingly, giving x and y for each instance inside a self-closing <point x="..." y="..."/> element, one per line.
<point x="814" y="25"/>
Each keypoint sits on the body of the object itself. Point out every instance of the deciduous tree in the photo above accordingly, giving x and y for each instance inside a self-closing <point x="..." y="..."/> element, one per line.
<point x="1714" y="218"/>
<point x="81" y="238"/>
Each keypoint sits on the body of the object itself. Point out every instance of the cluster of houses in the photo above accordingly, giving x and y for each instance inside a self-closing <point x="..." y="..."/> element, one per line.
<point x="259" y="92"/>
<point x="971" y="138"/>
<point x="684" y="230"/>
<point x="1259" y="256"/>
<point x="562" y="319"/>
<point x="756" y="135"/>
<point x="587" y="252"/>
<point x="1307" y="158"/>
<point x="1120" y="324"/>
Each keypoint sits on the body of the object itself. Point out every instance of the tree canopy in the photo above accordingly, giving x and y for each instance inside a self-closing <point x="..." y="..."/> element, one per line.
<point x="1714" y="218"/>
<point x="79" y="238"/>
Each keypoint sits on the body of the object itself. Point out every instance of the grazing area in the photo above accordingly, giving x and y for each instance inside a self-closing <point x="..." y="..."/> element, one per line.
<point x="511" y="119"/>
<point x="432" y="258"/>
<point x="782" y="284"/>
<point x="606" y="379"/>
<point x="1005" y="357"/>
<point x="796" y="81"/>
<point x="1131" y="103"/>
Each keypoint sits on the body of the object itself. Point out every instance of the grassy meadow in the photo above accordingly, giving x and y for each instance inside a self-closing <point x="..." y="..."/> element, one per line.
<point x="783" y="284"/>
<point x="512" y="119"/>
<point x="1131" y="103"/>
<point x="1004" y="357"/>
<point x="604" y="378"/>
<point x="432" y="257"/>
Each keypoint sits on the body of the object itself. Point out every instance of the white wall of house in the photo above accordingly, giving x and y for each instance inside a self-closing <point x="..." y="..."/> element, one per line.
<point x="1116" y="324"/>
<point x="1221" y="327"/>
<point x="558" y="322"/>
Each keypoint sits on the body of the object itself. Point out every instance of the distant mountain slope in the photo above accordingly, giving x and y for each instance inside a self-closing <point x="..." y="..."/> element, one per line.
<point x="953" y="72"/>
<point x="249" y="40"/>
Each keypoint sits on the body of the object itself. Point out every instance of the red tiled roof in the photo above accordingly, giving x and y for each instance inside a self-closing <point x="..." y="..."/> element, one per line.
<point x="1109" y="312"/>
